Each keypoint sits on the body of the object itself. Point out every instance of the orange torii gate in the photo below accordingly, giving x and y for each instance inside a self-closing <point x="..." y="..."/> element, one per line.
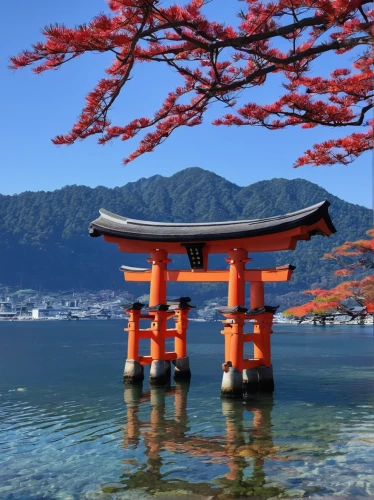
<point x="199" y="240"/>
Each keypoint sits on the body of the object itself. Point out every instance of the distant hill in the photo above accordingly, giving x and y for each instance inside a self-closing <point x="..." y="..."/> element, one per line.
<point x="45" y="243"/>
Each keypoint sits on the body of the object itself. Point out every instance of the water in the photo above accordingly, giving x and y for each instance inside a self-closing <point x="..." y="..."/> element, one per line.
<point x="69" y="430"/>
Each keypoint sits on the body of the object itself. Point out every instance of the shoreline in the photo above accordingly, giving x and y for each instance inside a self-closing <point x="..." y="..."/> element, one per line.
<point x="44" y="320"/>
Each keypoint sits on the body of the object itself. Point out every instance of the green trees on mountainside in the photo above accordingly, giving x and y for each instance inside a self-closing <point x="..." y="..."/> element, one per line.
<point x="45" y="238"/>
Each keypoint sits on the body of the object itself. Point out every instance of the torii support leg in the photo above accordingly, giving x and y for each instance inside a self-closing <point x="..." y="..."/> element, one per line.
<point x="160" y="368"/>
<point x="260" y="378"/>
<point x="134" y="371"/>
<point x="182" y="363"/>
<point x="232" y="381"/>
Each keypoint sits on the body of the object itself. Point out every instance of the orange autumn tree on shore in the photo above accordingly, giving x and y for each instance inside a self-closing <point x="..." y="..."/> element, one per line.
<point x="219" y="63"/>
<point x="353" y="255"/>
<point x="354" y="258"/>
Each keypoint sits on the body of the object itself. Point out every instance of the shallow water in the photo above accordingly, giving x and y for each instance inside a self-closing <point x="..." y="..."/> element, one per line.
<point x="69" y="429"/>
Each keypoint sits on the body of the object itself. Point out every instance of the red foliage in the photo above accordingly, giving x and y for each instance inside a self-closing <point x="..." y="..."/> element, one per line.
<point x="217" y="61"/>
<point x="353" y="256"/>
<point x="326" y="301"/>
<point x="343" y="272"/>
<point x="300" y="311"/>
<point x="370" y="307"/>
<point x="367" y="292"/>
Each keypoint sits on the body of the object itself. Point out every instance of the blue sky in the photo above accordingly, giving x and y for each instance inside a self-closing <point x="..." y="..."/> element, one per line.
<point x="36" y="108"/>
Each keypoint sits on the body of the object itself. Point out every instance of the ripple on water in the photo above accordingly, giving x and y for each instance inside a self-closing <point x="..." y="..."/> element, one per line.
<point x="70" y="434"/>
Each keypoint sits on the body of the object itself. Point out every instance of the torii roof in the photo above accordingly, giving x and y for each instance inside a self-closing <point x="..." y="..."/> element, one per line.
<point x="124" y="227"/>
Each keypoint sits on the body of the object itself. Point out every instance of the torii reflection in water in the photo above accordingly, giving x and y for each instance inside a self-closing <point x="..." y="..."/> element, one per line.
<point x="162" y="433"/>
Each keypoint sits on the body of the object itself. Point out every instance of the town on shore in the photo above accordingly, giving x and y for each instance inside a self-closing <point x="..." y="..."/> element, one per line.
<point x="30" y="305"/>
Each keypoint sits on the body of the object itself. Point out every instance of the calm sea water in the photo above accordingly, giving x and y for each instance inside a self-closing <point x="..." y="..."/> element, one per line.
<point x="69" y="429"/>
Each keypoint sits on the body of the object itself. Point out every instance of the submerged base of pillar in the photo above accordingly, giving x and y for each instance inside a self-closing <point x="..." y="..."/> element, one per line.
<point x="258" y="379"/>
<point x="232" y="383"/>
<point x="133" y="373"/>
<point x="182" y="368"/>
<point x="159" y="373"/>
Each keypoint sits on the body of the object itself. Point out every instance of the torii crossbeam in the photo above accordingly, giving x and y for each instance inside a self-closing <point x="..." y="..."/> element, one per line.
<point x="199" y="240"/>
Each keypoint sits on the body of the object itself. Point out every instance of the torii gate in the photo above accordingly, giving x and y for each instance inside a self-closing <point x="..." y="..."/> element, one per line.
<point x="199" y="240"/>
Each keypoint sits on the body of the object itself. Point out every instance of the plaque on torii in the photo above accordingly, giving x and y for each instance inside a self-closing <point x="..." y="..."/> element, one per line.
<point x="199" y="240"/>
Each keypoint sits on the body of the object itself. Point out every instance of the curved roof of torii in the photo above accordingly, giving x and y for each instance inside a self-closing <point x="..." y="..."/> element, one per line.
<point x="314" y="220"/>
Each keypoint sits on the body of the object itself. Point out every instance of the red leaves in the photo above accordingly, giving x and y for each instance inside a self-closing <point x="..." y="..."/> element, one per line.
<point x="343" y="272"/>
<point x="352" y="256"/>
<point x="300" y="311"/>
<point x="342" y="151"/>
<point x="326" y="301"/>
<point x="215" y="61"/>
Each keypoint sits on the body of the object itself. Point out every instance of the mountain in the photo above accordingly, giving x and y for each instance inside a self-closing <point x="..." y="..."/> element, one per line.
<point x="45" y="243"/>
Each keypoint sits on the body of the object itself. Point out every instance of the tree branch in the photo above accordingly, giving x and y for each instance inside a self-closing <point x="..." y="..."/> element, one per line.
<point x="320" y="49"/>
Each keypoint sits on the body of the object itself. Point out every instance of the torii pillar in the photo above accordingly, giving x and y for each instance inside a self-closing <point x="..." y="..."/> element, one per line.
<point x="245" y="375"/>
<point x="160" y="368"/>
<point x="158" y="313"/>
<point x="260" y="377"/>
<point x="234" y="341"/>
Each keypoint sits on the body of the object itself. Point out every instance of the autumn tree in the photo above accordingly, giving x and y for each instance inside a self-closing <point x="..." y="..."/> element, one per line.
<point x="353" y="258"/>
<point x="353" y="255"/>
<point x="220" y="63"/>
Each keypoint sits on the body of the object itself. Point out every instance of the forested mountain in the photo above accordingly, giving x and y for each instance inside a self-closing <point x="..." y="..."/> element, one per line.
<point x="45" y="243"/>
